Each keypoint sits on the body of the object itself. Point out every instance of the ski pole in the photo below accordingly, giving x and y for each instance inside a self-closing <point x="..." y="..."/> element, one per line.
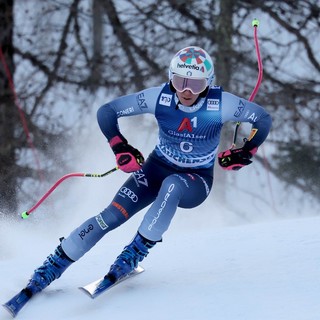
<point x="25" y="214"/>
<point x="255" y="24"/>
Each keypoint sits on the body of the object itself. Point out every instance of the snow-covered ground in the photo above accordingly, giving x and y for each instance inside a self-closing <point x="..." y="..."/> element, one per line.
<point x="240" y="260"/>
<point x="259" y="271"/>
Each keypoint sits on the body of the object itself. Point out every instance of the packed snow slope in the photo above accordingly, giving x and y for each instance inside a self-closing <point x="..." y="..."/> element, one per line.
<point x="265" y="271"/>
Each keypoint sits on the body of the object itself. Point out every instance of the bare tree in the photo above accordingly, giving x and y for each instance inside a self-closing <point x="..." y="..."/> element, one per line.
<point x="291" y="89"/>
<point x="79" y="47"/>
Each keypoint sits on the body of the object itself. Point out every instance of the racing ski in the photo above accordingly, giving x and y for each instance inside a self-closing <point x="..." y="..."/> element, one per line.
<point x="95" y="288"/>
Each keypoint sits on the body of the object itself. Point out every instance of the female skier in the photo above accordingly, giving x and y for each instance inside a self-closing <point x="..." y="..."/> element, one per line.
<point x="190" y="113"/>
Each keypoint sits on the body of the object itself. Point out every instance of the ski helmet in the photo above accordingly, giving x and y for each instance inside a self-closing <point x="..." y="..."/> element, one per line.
<point x="191" y="68"/>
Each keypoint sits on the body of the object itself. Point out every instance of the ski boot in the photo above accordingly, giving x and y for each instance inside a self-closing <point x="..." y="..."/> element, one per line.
<point x="51" y="269"/>
<point x="129" y="258"/>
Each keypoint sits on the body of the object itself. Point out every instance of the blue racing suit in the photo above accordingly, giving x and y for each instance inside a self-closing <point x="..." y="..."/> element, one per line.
<point x="179" y="171"/>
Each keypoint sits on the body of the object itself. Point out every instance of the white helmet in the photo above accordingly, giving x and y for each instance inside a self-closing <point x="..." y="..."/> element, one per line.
<point x="192" y="63"/>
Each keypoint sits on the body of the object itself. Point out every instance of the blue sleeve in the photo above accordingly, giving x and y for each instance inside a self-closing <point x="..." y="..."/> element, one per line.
<point x="129" y="105"/>
<point x="241" y="110"/>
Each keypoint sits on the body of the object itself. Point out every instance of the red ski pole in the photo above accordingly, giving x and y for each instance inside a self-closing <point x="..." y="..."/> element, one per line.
<point x="255" y="24"/>
<point x="26" y="214"/>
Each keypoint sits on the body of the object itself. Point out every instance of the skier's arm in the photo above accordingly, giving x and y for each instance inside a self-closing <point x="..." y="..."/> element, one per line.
<point x="128" y="158"/>
<point x="129" y="105"/>
<point x="241" y="110"/>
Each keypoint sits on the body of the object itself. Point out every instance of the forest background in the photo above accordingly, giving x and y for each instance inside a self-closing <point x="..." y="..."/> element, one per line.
<point x="61" y="60"/>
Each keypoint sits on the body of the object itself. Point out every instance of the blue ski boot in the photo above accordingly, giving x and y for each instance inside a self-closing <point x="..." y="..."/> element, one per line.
<point x="129" y="258"/>
<point x="51" y="269"/>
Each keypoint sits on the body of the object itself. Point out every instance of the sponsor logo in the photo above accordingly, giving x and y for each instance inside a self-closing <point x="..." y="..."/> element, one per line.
<point x="162" y="206"/>
<point x="213" y="104"/>
<point x="188" y="66"/>
<point x="124" y="159"/>
<point x="141" y="101"/>
<point x="129" y="193"/>
<point x="121" y="209"/>
<point x="140" y="178"/>
<point x="183" y="161"/>
<point x="85" y="231"/>
<point x="185" y="125"/>
<point x="240" y="109"/>
<point x="165" y="99"/>
<point x="125" y="112"/>
<point x="101" y="222"/>
<point x="253" y="117"/>
<point x="186" y="135"/>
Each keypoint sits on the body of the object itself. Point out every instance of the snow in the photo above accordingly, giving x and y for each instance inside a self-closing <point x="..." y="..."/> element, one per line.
<point x="258" y="271"/>
<point x="234" y="261"/>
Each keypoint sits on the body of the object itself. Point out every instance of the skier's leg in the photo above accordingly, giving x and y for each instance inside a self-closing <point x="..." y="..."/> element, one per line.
<point x="129" y="199"/>
<point x="184" y="190"/>
<point x="125" y="204"/>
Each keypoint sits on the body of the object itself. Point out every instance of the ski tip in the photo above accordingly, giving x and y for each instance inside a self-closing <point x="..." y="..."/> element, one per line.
<point x="10" y="310"/>
<point x="86" y="292"/>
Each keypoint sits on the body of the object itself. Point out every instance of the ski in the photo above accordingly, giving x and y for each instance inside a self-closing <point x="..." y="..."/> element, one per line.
<point x="95" y="288"/>
<point x="15" y="304"/>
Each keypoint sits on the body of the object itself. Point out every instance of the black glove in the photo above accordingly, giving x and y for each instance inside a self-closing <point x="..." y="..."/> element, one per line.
<point x="235" y="159"/>
<point x="128" y="158"/>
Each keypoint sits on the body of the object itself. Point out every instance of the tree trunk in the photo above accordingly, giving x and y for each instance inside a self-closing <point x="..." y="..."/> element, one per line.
<point x="223" y="69"/>
<point x="8" y="112"/>
<point x="97" y="40"/>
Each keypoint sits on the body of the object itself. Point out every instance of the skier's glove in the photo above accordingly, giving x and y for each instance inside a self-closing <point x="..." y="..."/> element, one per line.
<point x="128" y="158"/>
<point x="235" y="159"/>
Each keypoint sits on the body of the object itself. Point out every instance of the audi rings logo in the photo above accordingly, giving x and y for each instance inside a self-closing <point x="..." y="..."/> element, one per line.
<point x="129" y="193"/>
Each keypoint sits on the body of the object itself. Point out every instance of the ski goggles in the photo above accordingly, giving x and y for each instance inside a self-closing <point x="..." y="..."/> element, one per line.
<point x="181" y="84"/>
